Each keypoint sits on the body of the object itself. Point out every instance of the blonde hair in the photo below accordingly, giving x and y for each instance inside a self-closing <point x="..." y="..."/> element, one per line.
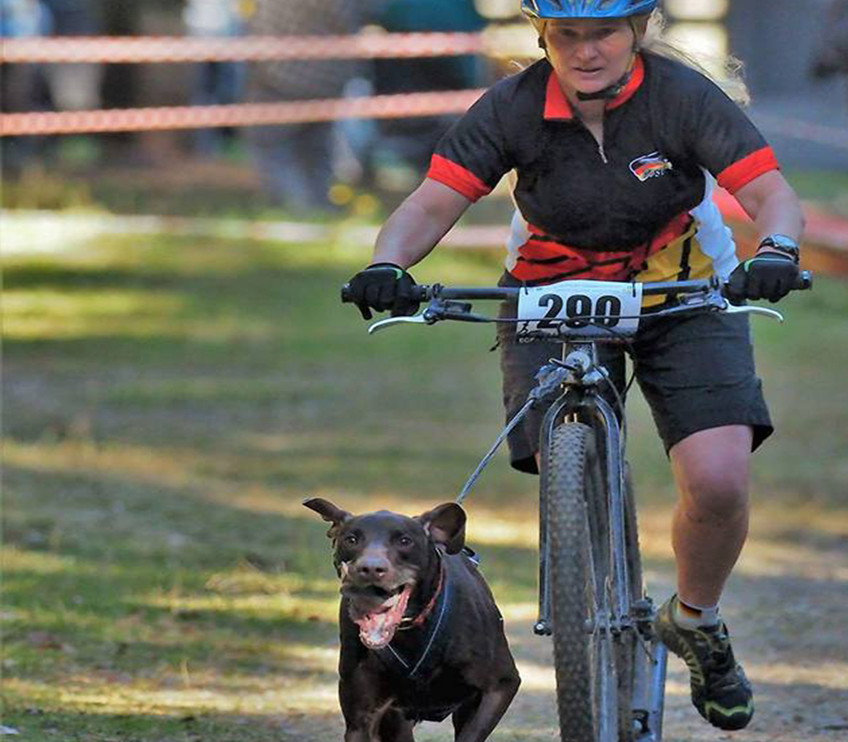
<point x="726" y="73"/>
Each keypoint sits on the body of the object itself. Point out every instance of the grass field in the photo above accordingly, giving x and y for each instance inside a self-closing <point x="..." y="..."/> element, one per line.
<point x="169" y="403"/>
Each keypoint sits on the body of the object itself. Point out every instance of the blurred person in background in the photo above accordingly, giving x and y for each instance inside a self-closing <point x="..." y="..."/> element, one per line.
<point x="22" y="86"/>
<point x="295" y="161"/>
<point x="74" y="87"/>
<point x="413" y="139"/>
<point x="23" y="18"/>
<point x="215" y="83"/>
<point x="20" y="19"/>
<point x="831" y="57"/>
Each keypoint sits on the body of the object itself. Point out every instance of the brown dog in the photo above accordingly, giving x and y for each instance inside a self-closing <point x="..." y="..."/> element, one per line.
<point x="421" y="636"/>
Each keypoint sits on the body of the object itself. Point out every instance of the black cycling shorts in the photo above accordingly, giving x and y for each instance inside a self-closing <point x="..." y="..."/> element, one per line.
<point x="695" y="371"/>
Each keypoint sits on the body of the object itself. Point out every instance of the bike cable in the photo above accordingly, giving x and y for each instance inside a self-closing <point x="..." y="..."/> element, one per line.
<point x="485" y="460"/>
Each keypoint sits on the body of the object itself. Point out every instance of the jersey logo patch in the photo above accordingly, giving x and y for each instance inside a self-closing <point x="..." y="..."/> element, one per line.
<point x="650" y="166"/>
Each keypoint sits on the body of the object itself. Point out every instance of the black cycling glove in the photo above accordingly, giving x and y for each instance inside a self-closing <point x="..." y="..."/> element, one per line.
<point x="383" y="286"/>
<point x="768" y="275"/>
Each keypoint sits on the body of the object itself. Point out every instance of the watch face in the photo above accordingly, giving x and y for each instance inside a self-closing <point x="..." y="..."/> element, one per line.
<point x="781" y="241"/>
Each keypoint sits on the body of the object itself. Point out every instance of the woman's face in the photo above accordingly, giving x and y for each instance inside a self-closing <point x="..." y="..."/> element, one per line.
<point x="589" y="54"/>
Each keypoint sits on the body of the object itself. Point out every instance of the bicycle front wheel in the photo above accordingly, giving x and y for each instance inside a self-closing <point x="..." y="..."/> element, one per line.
<point x="584" y="652"/>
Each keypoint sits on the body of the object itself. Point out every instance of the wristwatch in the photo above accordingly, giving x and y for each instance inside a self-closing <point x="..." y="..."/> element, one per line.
<point x="783" y="244"/>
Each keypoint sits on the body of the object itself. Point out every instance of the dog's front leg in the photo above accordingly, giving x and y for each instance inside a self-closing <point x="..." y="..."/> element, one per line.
<point x="395" y="727"/>
<point x="493" y="703"/>
<point x="376" y="725"/>
<point x="358" y="735"/>
<point x="363" y="706"/>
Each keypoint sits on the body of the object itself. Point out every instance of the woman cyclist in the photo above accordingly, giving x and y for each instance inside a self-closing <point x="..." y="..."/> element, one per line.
<point x="616" y="151"/>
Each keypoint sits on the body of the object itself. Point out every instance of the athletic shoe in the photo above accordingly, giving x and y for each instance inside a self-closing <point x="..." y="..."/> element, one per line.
<point x="720" y="691"/>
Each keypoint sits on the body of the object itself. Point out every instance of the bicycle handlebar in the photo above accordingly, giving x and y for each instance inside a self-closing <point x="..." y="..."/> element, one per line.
<point x="423" y="292"/>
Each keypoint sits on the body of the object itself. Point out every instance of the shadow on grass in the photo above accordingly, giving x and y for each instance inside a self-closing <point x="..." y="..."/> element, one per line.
<point x="104" y="572"/>
<point x="253" y="301"/>
<point x="98" y="726"/>
<point x="530" y="719"/>
<point x="117" y="595"/>
<point x="253" y="343"/>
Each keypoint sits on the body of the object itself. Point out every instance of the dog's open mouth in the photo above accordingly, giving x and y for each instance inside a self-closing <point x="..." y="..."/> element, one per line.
<point x="377" y="626"/>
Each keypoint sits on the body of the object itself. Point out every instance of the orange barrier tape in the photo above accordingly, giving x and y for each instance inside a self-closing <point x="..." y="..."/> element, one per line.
<point x="830" y="136"/>
<point x="178" y="49"/>
<point x="146" y="49"/>
<point x="242" y="114"/>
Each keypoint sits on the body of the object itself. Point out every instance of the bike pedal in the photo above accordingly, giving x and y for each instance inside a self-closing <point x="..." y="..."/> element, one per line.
<point x="641" y="731"/>
<point x="643" y="614"/>
<point x="640" y="722"/>
<point x="542" y="628"/>
<point x="643" y="609"/>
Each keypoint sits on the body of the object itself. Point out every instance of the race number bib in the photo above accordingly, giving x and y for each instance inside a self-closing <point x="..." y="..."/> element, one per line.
<point x="584" y="308"/>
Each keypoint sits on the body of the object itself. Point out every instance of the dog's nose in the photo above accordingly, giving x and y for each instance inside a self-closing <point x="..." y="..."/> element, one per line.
<point x="372" y="567"/>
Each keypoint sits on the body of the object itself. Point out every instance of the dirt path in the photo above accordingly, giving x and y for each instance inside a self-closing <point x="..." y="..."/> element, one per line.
<point x="786" y="608"/>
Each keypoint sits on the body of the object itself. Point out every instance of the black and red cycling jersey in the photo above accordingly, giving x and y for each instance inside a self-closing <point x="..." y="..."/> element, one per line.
<point x="610" y="212"/>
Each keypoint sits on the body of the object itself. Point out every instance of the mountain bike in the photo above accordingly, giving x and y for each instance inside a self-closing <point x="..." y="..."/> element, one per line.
<point x="610" y="666"/>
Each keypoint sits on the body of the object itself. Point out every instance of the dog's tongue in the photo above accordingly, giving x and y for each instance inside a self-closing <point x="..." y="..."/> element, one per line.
<point x="377" y="629"/>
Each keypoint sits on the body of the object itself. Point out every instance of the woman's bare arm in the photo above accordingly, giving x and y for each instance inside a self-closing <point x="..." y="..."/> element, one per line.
<point x="418" y="224"/>
<point x="770" y="201"/>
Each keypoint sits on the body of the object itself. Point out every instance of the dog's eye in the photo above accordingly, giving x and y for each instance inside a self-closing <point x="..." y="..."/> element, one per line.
<point x="404" y="541"/>
<point x="351" y="539"/>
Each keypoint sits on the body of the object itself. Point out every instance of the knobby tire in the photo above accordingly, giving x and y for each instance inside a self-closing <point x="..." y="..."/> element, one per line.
<point x="579" y="571"/>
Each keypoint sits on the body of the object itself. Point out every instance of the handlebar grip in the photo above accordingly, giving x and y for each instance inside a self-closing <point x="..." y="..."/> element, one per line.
<point x="803" y="283"/>
<point x="419" y="293"/>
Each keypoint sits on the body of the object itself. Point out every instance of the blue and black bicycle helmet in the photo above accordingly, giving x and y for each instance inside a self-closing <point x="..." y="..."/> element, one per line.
<point x="551" y="9"/>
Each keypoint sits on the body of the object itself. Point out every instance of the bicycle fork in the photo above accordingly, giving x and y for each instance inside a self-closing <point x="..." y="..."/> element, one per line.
<point x="650" y="658"/>
<point x="581" y="401"/>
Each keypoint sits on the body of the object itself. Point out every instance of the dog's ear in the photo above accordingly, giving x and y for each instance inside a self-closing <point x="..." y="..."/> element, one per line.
<point x="445" y="525"/>
<point x="329" y="512"/>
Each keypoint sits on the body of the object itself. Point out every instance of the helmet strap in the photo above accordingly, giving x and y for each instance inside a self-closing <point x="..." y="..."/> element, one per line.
<point x="608" y="93"/>
<point x="611" y="91"/>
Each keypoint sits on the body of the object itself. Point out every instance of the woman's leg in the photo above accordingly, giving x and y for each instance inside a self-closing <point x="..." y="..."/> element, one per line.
<point x="710" y="522"/>
<point x="709" y="529"/>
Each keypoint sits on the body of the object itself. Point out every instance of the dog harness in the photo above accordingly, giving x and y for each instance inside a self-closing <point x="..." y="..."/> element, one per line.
<point x="418" y="668"/>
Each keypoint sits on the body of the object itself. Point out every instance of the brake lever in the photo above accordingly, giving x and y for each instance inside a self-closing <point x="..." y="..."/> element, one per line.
<point x="714" y="301"/>
<point x="418" y="319"/>
<point x="439" y="309"/>
<point x="764" y="311"/>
